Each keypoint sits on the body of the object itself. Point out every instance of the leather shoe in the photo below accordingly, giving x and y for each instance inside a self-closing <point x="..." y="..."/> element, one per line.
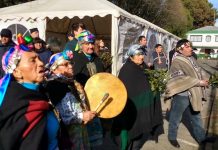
<point x="175" y="143"/>
<point x="211" y="139"/>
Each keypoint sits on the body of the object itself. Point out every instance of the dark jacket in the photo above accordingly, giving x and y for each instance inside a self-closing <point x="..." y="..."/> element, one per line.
<point x="3" y="49"/>
<point x="71" y="45"/>
<point x="23" y="119"/>
<point x="80" y="68"/>
<point x="44" y="55"/>
<point x="142" y="113"/>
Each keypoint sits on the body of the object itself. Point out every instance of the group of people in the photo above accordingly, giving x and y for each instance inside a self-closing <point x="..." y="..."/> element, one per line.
<point x="154" y="59"/>
<point x="43" y="104"/>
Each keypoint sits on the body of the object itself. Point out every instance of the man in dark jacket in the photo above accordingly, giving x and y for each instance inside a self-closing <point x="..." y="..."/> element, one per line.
<point x="5" y="44"/>
<point x="72" y="44"/>
<point x="148" y="54"/>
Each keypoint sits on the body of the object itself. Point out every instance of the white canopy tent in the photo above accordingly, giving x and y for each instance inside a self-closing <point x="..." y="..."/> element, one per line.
<point x="53" y="18"/>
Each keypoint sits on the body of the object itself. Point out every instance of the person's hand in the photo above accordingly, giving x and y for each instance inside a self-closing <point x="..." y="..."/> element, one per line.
<point x="88" y="116"/>
<point x="204" y="83"/>
<point x="149" y="65"/>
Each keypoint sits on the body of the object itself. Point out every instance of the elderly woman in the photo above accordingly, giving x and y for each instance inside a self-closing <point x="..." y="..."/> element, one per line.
<point x="142" y="115"/>
<point x="23" y="107"/>
<point x="68" y="98"/>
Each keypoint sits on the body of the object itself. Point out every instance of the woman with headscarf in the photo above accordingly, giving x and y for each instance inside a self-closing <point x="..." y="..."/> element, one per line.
<point x="142" y="115"/>
<point x="68" y="97"/>
<point x="24" y="110"/>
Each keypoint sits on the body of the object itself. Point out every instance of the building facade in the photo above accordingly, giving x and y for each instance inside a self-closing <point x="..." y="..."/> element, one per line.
<point x="205" y="41"/>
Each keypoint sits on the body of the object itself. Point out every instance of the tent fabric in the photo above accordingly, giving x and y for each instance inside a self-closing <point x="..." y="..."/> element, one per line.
<point x="53" y="18"/>
<point x="40" y="9"/>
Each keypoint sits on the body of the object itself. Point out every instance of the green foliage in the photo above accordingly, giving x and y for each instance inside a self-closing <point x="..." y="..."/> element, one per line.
<point x="202" y="12"/>
<point x="213" y="81"/>
<point x="179" y="19"/>
<point x="176" y="16"/>
<point x="157" y="79"/>
<point x="106" y="59"/>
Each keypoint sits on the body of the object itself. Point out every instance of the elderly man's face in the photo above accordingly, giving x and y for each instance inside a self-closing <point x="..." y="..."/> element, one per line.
<point x="30" y="68"/>
<point x="5" y="40"/>
<point x="88" y="48"/>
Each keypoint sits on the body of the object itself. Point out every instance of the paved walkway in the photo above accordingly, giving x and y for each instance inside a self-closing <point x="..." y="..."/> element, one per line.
<point x="209" y="116"/>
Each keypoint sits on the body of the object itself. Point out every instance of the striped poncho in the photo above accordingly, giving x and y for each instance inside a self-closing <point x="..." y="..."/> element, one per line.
<point x="185" y="75"/>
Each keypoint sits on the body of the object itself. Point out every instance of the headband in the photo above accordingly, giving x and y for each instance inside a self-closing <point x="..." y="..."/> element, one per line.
<point x="183" y="45"/>
<point x="134" y="50"/>
<point x="86" y="36"/>
<point x="10" y="61"/>
<point x="58" y="59"/>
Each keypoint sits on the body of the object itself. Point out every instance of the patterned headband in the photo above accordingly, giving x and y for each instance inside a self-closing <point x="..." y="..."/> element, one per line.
<point x="183" y="45"/>
<point x="13" y="55"/>
<point x="58" y="58"/>
<point x="86" y="36"/>
<point x="134" y="50"/>
<point x="10" y="61"/>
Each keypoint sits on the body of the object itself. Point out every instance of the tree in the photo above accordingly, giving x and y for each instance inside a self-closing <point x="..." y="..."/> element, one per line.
<point x="202" y="12"/>
<point x="168" y="14"/>
<point x="5" y="3"/>
<point x="179" y="20"/>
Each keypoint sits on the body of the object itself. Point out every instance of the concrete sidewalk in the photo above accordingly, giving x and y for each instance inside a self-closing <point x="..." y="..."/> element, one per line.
<point x="210" y="121"/>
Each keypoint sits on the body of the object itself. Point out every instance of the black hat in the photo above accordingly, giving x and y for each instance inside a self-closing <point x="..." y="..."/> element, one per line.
<point x="34" y="30"/>
<point x="37" y="40"/>
<point x="6" y="33"/>
<point x="181" y="43"/>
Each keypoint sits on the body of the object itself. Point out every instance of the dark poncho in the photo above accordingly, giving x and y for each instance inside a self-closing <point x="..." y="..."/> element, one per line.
<point x="23" y="119"/>
<point x="80" y="68"/>
<point x="142" y="113"/>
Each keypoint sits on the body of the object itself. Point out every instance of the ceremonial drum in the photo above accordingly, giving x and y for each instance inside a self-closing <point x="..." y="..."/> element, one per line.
<point x="106" y="94"/>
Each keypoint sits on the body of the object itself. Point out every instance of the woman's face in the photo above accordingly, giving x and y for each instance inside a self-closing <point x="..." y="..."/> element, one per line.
<point x="88" y="48"/>
<point x="137" y="59"/>
<point x="38" y="45"/>
<point x="101" y="43"/>
<point x="66" y="69"/>
<point x="30" y="68"/>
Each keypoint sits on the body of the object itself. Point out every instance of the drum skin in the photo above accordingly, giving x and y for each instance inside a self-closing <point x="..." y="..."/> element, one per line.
<point x="100" y="84"/>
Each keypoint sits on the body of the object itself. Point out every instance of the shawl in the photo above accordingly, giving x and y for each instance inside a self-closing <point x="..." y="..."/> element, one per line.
<point x="185" y="75"/>
<point x="23" y="119"/>
<point x="82" y="71"/>
<point x="142" y="113"/>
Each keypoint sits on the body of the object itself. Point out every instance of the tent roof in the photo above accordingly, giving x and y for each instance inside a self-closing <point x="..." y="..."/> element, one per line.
<point x="41" y="9"/>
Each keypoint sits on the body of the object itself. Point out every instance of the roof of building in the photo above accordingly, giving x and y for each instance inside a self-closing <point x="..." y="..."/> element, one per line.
<point x="205" y="30"/>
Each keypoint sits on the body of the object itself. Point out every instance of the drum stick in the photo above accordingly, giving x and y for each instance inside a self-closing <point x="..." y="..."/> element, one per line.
<point x="102" y="100"/>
